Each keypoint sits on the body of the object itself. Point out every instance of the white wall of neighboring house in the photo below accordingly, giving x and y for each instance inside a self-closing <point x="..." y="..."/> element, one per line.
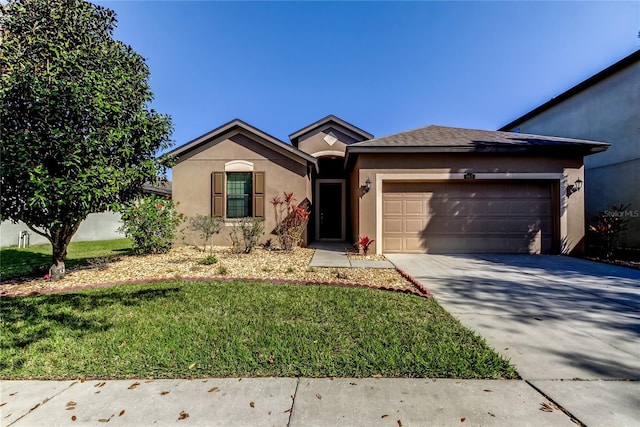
<point x="97" y="226"/>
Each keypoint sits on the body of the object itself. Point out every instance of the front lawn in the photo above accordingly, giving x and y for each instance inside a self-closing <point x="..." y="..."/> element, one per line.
<point x="36" y="260"/>
<point x="183" y="329"/>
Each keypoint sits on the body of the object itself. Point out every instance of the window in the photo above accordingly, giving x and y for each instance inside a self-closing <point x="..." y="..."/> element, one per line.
<point x="239" y="194"/>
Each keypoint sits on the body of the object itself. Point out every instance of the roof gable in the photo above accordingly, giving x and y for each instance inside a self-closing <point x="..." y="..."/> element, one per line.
<point x="591" y="81"/>
<point x="328" y="121"/>
<point x="237" y="125"/>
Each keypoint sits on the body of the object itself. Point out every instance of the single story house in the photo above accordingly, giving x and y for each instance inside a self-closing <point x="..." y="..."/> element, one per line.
<point x="604" y="107"/>
<point x="435" y="189"/>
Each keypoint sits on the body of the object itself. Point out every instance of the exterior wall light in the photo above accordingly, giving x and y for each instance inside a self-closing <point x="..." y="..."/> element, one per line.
<point x="367" y="185"/>
<point x="575" y="187"/>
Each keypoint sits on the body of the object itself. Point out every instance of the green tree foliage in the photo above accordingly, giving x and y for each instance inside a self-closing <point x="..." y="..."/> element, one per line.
<point x="76" y="132"/>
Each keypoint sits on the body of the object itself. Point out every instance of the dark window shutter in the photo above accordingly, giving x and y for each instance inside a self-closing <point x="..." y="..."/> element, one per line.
<point x="217" y="194"/>
<point x="258" y="194"/>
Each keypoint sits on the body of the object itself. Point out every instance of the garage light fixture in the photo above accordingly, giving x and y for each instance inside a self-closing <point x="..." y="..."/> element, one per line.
<point x="575" y="187"/>
<point x="367" y="185"/>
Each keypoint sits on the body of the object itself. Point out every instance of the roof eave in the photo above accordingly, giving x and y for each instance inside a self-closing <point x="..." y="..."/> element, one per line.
<point x="548" y="150"/>
<point x="591" y="81"/>
<point x="230" y="127"/>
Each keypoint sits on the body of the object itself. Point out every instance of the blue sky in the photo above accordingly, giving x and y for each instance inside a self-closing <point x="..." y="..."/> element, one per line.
<point x="385" y="67"/>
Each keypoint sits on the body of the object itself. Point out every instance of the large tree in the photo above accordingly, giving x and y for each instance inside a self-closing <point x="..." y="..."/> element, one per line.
<point x="77" y="135"/>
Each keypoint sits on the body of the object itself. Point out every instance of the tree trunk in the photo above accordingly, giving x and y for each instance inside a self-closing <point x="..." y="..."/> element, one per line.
<point x="60" y="238"/>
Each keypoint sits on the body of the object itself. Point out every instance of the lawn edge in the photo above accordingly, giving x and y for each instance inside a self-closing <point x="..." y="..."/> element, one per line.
<point x="420" y="290"/>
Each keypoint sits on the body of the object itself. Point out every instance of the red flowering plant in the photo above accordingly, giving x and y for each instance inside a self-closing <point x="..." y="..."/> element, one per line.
<point x="363" y="244"/>
<point x="607" y="228"/>
<point x="291" y="221"/>
<point x="151" y="223"/>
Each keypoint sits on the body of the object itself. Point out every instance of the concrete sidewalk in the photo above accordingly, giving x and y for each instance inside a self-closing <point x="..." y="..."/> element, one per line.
<point x="334" y="254"/>
<point x="570" y="327"/>
<point x="277" y="402"/>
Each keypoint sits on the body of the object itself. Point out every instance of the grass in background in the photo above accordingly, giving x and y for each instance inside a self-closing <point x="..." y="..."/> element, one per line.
<point x="36" y="260"/>
<point x="181" y="329"/>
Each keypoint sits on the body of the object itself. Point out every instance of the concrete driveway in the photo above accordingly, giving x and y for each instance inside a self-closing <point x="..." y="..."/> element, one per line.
<point x="560" y="321"/>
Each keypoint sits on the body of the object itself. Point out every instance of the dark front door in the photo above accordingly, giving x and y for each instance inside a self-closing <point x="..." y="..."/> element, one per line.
<point x="330" y="210"/>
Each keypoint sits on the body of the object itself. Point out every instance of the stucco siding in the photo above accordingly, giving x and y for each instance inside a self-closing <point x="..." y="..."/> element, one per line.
<point x="558" y="171"/>
<point x="608" y="111"/>
<point x="192" y="179"/>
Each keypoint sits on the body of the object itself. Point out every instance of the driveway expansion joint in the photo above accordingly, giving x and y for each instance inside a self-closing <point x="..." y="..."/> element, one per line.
<point x="557" y="405"/>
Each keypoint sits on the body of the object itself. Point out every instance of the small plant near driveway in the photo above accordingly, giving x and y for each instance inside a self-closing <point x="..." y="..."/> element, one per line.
<point x="607" y="228"/>
<point x="364" y="243"/>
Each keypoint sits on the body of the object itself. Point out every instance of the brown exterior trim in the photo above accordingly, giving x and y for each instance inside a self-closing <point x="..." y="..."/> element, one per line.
<point x="258" y="194"/>
<point x="555" y="218"/>
<point x="217" y="194"/>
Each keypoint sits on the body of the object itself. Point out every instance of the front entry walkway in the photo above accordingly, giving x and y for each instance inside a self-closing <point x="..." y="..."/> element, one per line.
<point x="566" y="324"/>
<point x="334" y="254"/>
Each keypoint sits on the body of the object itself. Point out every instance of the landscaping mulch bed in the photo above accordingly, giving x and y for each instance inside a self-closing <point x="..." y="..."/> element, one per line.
<point x="183" y="262"/>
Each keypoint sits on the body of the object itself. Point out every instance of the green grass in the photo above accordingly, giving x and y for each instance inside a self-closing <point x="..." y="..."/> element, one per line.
<point x="36" y="260"/>
<point x="182" y="329"/>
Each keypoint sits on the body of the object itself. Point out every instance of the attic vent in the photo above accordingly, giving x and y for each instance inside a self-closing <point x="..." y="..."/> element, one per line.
<point x="330" y="138"/>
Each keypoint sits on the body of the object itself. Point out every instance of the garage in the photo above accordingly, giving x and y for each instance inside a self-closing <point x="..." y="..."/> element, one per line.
<point x="499" y="216"/>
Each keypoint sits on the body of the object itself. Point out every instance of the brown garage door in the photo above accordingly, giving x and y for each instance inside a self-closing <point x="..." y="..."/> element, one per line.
<point x="467" y="217"/>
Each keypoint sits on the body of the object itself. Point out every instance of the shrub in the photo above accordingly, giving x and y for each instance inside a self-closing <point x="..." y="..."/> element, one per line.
<point x="607" y="228"/>
<point x="245" y="235"/>
<point x="291" y="221"/>
<point x="208" y="260"/>
<point x="363" y="244"/>
<point x="207" y="226"/>
<point x="151" y="223"/>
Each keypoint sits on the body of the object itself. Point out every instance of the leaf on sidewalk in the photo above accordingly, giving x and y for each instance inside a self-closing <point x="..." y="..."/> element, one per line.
<point x="134" y="385"/>
<point x="121" y="413"/>
<point x="214" y="389"/>
<point x="545" y="407"/>
<point x="162" y="393"/>
<point x="252" y="404"/>
<point x="183" y="415"/>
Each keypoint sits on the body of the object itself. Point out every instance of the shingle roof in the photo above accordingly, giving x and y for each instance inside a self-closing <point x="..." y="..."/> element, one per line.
<point x="234" y="125"/>
<point x="442" y="137"/>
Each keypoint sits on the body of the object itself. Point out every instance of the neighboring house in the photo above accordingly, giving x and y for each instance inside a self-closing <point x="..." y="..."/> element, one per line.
<point x="605" y="107"/>
<point x="97" y="226"/>
<point x="435" y="189"/>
